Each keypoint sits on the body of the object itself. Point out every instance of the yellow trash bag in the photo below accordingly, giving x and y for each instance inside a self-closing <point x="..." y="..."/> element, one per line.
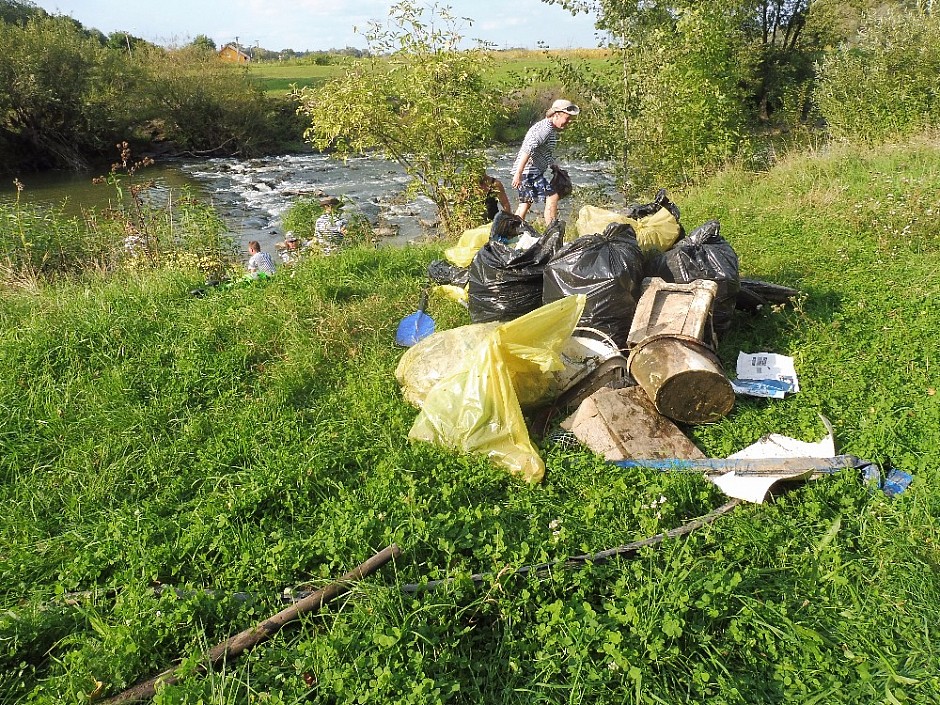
<point x="453" y="292"/>
<point x="470" y="242"/>
<point x="477" y="408"/>
<point x="592" y="220"/>
<point x="432" y="359"/>
<point x="658" y="231"/>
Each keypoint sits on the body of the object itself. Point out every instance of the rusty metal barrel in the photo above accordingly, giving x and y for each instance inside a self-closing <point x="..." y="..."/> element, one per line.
<point x="670" y="357"/>
<point x="683" y="378"/>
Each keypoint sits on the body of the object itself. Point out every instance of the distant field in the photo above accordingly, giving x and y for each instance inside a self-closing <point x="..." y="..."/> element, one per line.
<point x="277" y="78"/>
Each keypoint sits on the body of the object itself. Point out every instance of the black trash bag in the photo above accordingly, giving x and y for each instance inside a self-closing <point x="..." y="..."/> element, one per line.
<point x="756" y="294"/>
<point x="561" y="182"/>
<point x="443" y="272"/>
<point x="704" y="254"/>
<point x="505" y="283"/>
<point x="638" y="211"/>
<point x="509" y="226"/>
<point x="608" y="270"/>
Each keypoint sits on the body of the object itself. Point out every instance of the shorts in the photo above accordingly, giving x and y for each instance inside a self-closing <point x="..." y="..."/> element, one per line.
<point x="534" y="188"/>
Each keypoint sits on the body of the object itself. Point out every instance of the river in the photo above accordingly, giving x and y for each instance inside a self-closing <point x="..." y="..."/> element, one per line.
<point x="251" y="195"/>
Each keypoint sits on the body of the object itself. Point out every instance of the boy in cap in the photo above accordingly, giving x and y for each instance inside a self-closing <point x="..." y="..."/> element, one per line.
<point x="535" y="157"/>
<point x="329" y="228"/>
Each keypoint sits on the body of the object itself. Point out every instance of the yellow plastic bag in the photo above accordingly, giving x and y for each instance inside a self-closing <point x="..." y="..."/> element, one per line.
<point x="593" y="220"/>
<point x="477" y="408"/>
<point x="432" y="359"/>
<point x="658" y="231"/>
<point x="453" y="292"/>
<point x="470" y="242"/>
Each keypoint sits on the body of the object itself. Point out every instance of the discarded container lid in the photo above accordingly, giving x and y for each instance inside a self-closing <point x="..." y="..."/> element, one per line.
<point x="683" y="378"/>
<point x="673" y="309"/>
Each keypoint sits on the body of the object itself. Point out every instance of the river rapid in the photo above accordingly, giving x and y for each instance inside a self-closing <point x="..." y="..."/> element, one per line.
<point x="252" y="195"/>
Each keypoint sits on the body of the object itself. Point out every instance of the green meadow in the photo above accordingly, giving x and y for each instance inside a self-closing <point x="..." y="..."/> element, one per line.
<point x="508" y="68"/>
<point x="170" y="463"/>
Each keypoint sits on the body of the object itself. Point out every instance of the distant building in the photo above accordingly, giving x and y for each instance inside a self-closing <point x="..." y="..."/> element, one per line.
<point x="232" y="53"/>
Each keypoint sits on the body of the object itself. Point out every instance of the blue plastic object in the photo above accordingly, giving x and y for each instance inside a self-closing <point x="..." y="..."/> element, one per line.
<point x="896" y="482"/>
<point x="415" y="327"/>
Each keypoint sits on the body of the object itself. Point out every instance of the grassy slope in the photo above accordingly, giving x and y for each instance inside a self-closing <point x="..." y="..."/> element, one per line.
<point x="256" y="439"/>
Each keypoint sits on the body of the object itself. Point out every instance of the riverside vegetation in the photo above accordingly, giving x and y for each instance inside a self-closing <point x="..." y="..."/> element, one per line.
<point x="255" y="439"/>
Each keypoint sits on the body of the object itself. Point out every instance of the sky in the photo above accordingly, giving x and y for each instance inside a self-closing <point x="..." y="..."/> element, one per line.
<point x="304" y="25"/>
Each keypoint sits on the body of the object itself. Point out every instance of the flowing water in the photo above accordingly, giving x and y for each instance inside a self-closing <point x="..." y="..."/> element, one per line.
<point x="252" y="195"/>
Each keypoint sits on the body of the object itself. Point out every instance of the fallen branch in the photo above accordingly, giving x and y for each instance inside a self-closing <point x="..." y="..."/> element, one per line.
<point x="248" y="639"/>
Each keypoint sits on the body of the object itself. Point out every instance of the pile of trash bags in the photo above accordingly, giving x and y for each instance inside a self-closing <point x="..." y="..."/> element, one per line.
<point x="526" y="293"/>
<point x="506" y="269"/>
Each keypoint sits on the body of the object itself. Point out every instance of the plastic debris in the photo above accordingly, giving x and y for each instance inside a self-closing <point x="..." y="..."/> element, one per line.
<point x="764" y="374"/>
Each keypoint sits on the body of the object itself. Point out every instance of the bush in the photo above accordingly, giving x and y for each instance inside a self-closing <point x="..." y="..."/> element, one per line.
<point x="41" y="243"/>
<point x="63" y="96"/>
<point x="886" y="82"/>
<point x="205" y="106"/>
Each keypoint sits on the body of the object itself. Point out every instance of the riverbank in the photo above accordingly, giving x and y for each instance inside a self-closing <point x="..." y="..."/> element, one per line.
<point x="255" y="439"/>
<point x="252" y="195"/>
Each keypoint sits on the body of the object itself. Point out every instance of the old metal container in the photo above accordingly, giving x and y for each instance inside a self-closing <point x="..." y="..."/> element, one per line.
<point x="682" y="377"/>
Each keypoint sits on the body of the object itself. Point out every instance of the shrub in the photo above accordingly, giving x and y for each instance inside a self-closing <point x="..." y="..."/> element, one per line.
<point x="886" y="82"/>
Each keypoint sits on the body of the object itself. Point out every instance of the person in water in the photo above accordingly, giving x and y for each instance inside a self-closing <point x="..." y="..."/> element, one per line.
<point x="536" y="156"/>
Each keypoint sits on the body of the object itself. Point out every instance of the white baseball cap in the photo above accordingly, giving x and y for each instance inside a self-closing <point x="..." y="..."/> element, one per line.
<point x="563" y="105"/>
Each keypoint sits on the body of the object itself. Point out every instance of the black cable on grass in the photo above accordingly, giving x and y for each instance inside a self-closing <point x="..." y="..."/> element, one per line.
<point x="599" y="557"/>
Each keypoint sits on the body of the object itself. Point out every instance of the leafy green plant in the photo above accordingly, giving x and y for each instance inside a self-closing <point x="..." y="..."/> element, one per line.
<point x="424" y="104"/>
<point x="883" y="83"/>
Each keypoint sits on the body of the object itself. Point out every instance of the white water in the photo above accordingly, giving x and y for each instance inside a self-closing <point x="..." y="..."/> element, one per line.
<point x="252" y="195"/>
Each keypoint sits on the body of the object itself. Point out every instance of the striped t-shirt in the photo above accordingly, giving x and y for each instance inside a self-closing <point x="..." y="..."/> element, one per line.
<point x="329" y="231"/>
<point x="261" y="262"/>
<point x="540" y="143"/>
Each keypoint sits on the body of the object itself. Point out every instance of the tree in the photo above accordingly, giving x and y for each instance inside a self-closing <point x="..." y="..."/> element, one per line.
<point x="62" y="93"/>
<point x="418" y="98"/>
<point x="18" y="12"/>
<point x="203" y="43"/>
<point x="667" y="107"/>
<point x="885" y="83"/>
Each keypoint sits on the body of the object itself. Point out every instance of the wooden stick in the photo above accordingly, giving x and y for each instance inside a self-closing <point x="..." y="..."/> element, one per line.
<point x="238" y="644"/>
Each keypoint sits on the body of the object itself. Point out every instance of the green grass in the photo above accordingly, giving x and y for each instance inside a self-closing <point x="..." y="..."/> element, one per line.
<point x="256" y="439"/>
<point x="508" y="68"/>
<point x="278" y="79"/>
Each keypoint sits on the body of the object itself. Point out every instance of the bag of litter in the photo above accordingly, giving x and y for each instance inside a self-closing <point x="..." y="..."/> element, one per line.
<point x="656" y="230"/>
<point x="608" y="270"/>
<point x="505" y="282"/>
<point x="704" y="254"/>
<point x="477" y="407"/>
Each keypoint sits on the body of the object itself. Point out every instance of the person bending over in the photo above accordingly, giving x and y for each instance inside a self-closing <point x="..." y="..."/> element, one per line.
<point x="536" y="156"/>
